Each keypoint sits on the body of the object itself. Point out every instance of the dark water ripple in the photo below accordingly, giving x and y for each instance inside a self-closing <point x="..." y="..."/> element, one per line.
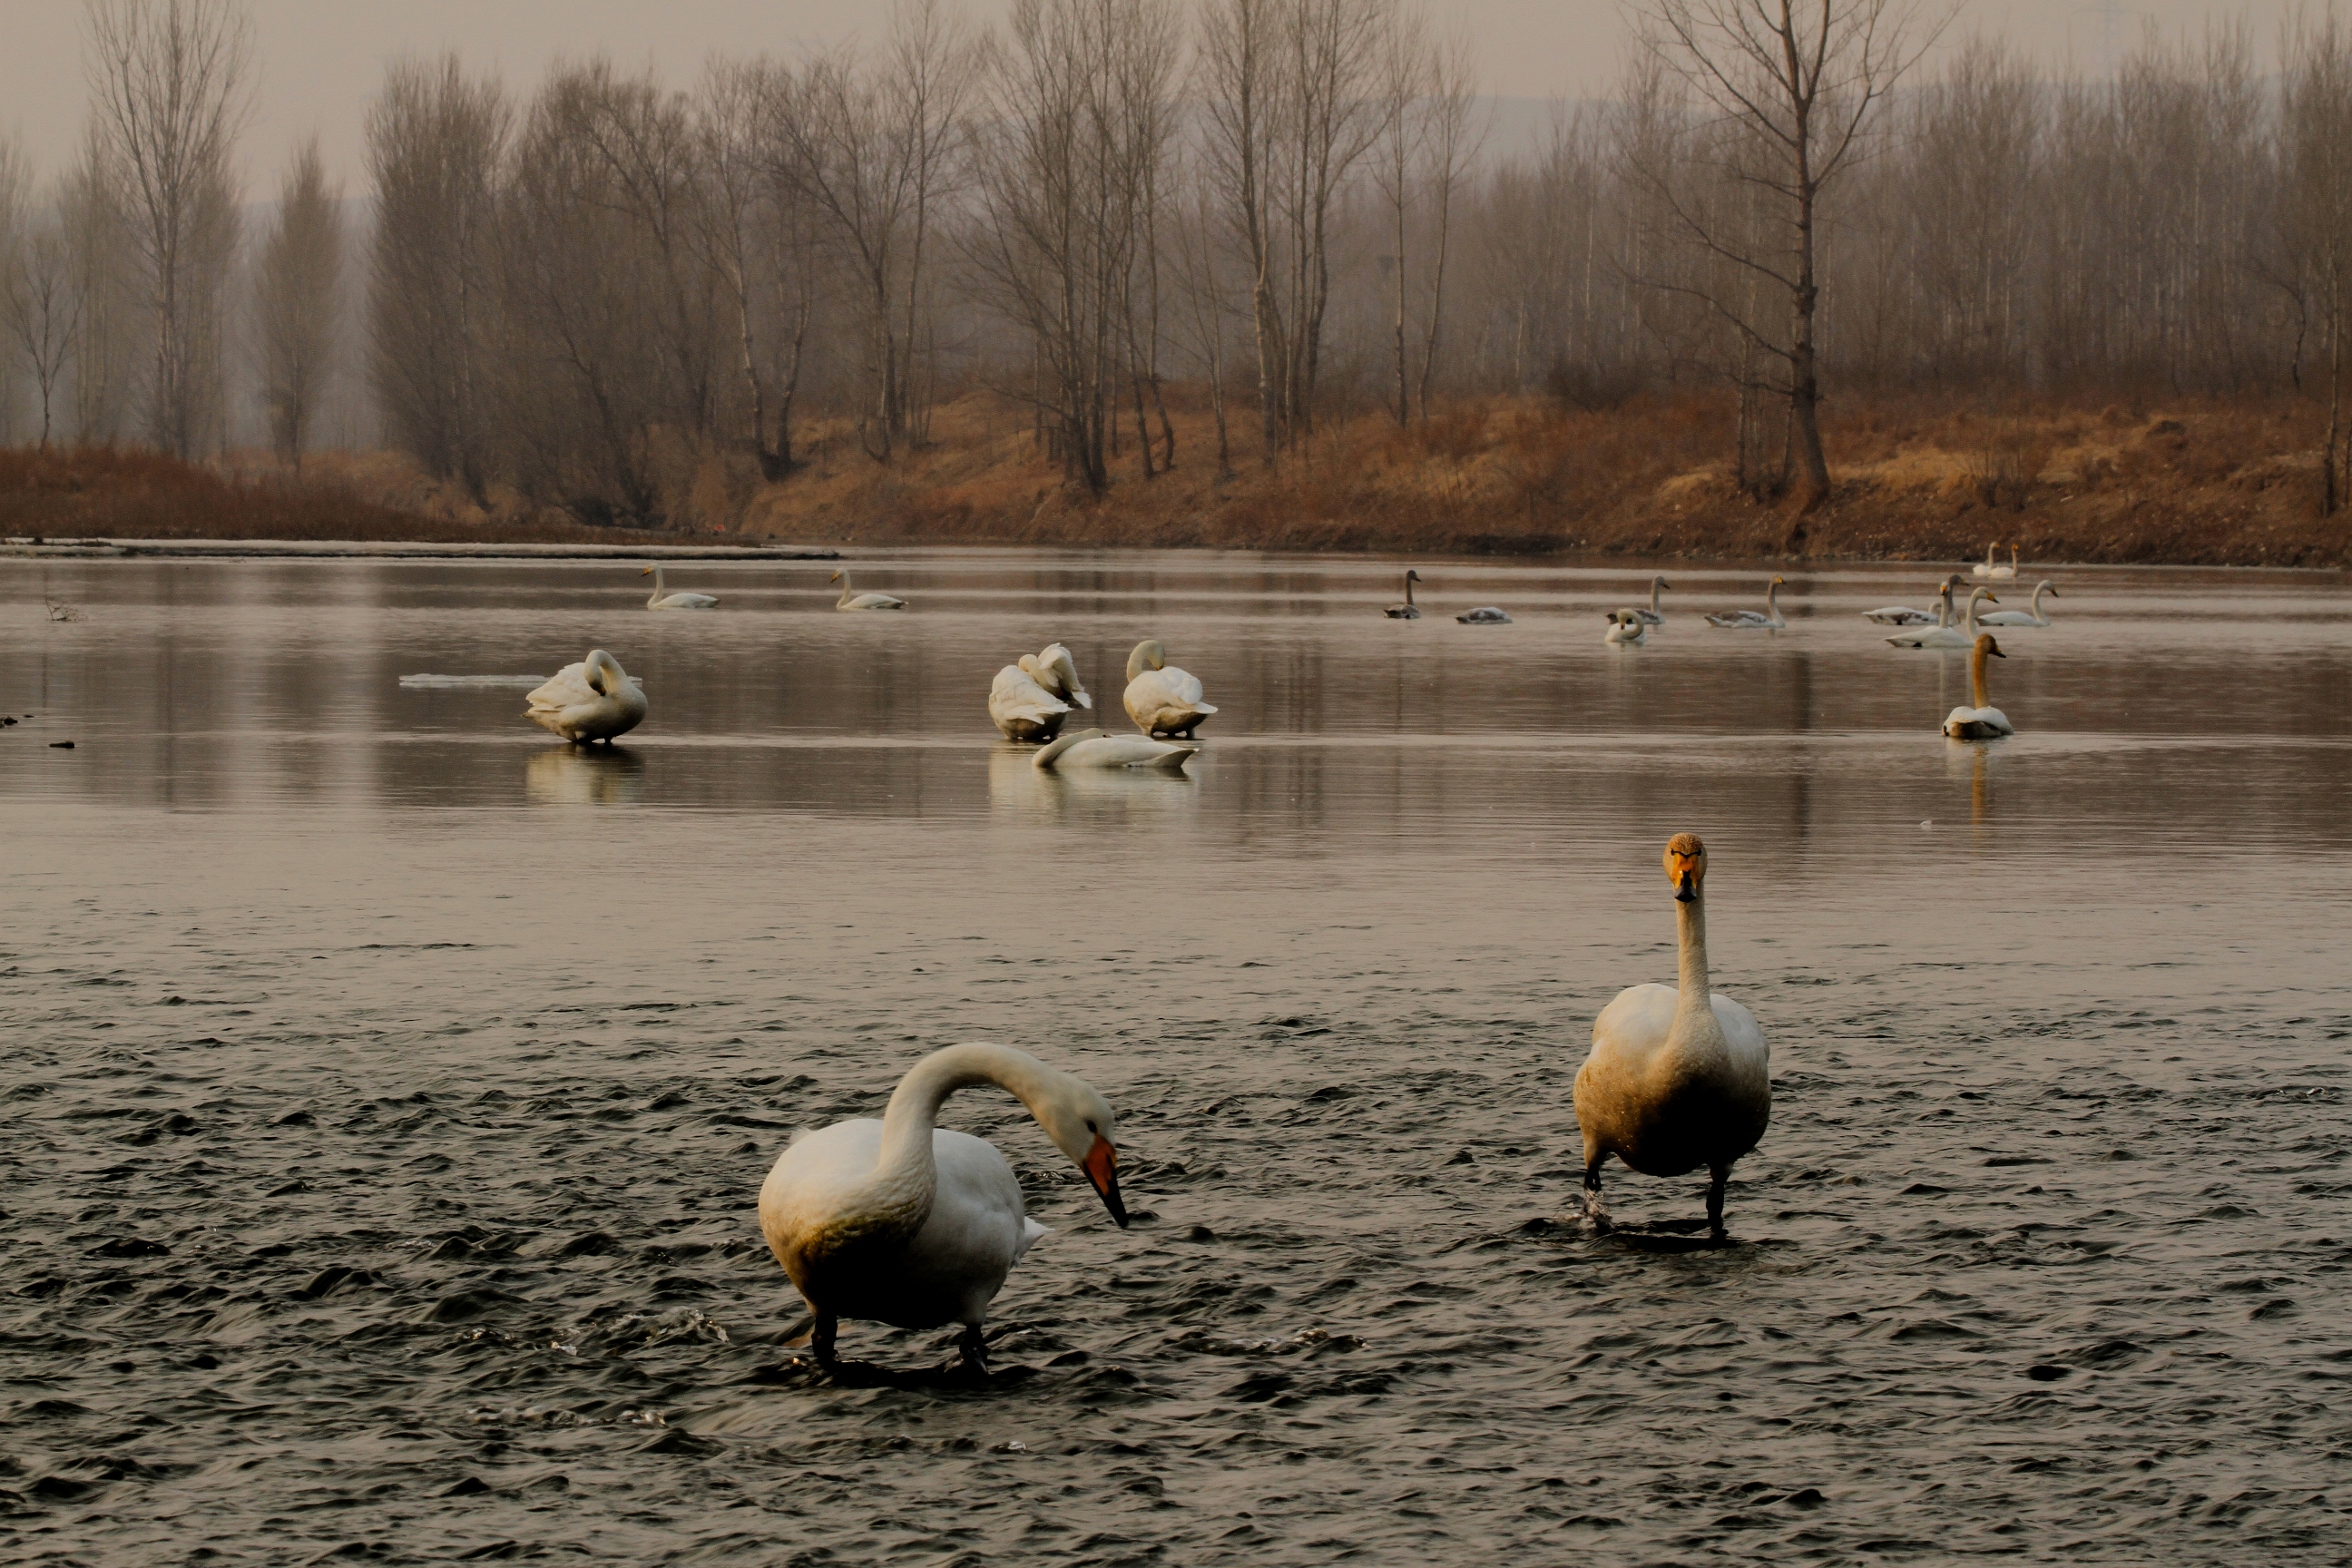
<point x="380" y="1172"/>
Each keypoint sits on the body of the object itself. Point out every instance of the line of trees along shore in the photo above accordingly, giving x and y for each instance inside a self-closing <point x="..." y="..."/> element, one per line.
<point x="633" y="301"/>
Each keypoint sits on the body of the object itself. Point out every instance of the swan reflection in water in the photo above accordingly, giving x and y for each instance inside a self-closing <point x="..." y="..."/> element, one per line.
<point x="569" y="775"/>
<point x="1018" y="788"/>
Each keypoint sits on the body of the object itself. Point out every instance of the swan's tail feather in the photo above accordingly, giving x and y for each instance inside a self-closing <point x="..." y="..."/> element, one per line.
<point x="1032" y="1233"/>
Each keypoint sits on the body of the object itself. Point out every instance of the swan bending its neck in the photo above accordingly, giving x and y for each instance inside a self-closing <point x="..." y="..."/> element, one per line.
<point x="1148" y="655"/>
<point x="906" y="1179"/>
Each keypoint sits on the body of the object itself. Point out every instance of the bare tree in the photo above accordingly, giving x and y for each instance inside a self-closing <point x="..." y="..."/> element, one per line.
<point x="1796" y="82"/>
<point x="96" y="226"/>
<point x="44" y="306"/>
<point x="169" y="84"/>
<point x="296" y="287"/>
<point x="755" y="233"/>
<point x="2315" y="210"/>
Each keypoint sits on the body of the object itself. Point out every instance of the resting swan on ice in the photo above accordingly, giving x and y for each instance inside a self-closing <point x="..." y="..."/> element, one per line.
<point x="902" y="1222"/>
<point x="1029" y="699"/>
<point x="1094" y="749"/>
<point x="1161" y="699"/>
<point x="595" y="700"/>
<point x="1679" y="1076"/>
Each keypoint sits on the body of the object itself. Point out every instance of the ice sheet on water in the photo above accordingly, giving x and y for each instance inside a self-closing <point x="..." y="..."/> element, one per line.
<point x="522" y="680"/>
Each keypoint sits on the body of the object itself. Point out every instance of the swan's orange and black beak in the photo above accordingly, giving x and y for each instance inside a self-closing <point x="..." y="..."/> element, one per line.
<point x="1101" y="1166"/>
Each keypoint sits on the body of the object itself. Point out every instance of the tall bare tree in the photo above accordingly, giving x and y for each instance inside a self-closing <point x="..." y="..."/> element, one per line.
<point x="169" y="85"/>
<point x="1795" y="83"/>
<point x="295" y="289"/>
<point x="44" y="306"/>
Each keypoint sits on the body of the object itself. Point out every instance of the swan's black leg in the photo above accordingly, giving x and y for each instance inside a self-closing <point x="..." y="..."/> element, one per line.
<point x="1594" y="1209"/>
<point x="973" y="1349"/>
<point x="820" y="1341"/>
<point x="1718" y="1175"/>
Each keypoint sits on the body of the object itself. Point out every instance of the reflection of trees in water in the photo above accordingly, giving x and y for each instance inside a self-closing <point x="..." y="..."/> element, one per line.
<point x="1018" y="788"/>
<point x="582" y="775"/>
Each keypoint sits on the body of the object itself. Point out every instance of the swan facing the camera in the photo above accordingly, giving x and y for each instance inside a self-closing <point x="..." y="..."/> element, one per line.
<point x="2031" y="618"/>
<point x="1095" y="749"/>
<point x="1408" y="610"/>
<point x="663" y="599"/>
<point x="1766" y="620"/>
<point x="851" y="599"/>
<point x="1161" y="699"/>
<point x="595" y="700"/>
<point x="902" y="1222"/>
<point x="1626" y="629"/>
<point x="1029" y="699"/>
<point x="1679" y="1078"/>
<point x="1984" y="722"/>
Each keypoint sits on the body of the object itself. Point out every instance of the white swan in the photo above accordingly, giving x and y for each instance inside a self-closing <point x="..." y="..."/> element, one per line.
<point x="1984" y="722"/>
<point x="1407" y="611"/>
<point x="1769" y="619"/>
<point x="1029" y="699"/>
<point x="851" y="599"/>
<point x="1161" y="699"/>
<point x="902" y="1222"/>
<point x="1679" y="1076"/>
<point x="595" y="700"/>
<point x="2032" y="617"/>
<point x="665" y="600"/>
<point x="1984" y="568"/>
<point x="1905" y="615"/>
<point x="1094" y="749"/>
<point x="1625" y="629"/>
<point x="1653" y="616"/>
<point x="1962" y="636"/>
<point x="1484" y="615"/>
<point x="2005" y="574"/>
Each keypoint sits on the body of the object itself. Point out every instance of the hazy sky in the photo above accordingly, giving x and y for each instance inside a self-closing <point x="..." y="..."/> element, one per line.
<point x="321" y="59"/>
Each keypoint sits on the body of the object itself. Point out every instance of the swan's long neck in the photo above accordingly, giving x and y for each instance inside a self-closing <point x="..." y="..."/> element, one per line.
<point x="1772" y="604"/>
<point x="1654" y="586"/>
<point x="906" y="1179"/>
<point x="2039" y="589"/>
<point x="1977" y="663"/>
<point x="1408" y="590"/>
<point x="1979" y="597"/>
<point x="1943" y="607"/>
<point x="1695" y="999"/>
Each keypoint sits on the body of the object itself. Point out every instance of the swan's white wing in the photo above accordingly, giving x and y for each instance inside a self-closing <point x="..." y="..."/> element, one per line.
<point x="1742" y="1035"/>
<point x="1184" y="687"/>
<point x="978" y="1228"/>
<point x="567" y="689"/>
<point x="2009" y="618"/>
<point x="1015" y="695"/>
<point x="1633" y="1028"/>
<point x="1063" y="671"/>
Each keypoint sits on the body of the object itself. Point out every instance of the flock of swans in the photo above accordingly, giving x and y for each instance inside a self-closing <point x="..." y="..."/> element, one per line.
<point x="906" y="1223"/>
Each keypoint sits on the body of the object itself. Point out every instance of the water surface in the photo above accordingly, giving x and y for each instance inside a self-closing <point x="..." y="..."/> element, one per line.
<point x="390" y="1085"/>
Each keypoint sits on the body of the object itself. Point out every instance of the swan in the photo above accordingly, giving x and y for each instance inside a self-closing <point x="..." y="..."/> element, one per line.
<point x="1984" y="722"/>
<point x="2005" y="573"/>
<point x="595" y="700"/>
<point x="1962" y="636"/>
<point x="1029" y="699"/>
<point x="665" y="600"/>
<point x="1905" y="615"/>
<point x="1625" y="629"/>
<point x="1094" y="749"/>
<point x="1161" y="700"/>
<point x="1484" y="615"/>
<point x="1408" y="611"/>
<point x="2032" y="617"/>
<point x="851" y="599"/>
<point x="1768" y="620"/>
<point x="1678" y="1077"/>
<point x="1653" y="616"/>
<point x="902" y="1222"/>
<point x="1984" y="568"/>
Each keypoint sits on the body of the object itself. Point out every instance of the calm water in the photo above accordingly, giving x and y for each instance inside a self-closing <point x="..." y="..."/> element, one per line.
<point x="389" y="1087"/>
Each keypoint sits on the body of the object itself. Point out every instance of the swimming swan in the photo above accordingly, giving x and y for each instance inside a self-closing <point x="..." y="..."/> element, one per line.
<point x="1625" y="629"/>
<point x="1408" y="611"/>
<point x="2034" y="618"/>
<point x="1905" y="615"/>
<point x="851" y="599"/>
<point x="1679" y="1078"/>
<point x="1094" y="749"/>
<point x="1962" y="636"/>
<point x="1985" y="568"/>
<point x="1029" y="699"/>
<point x="1161" y="698"/>
<point x="665" y="600"/>
<point x="1653" y="616"/>
<point x="1484" y="615"/>
<point x="1751" y="620"/>
<point x="595" y="700"/>
<point x="902" y="1222"/>
<point x="1984" y="722"/>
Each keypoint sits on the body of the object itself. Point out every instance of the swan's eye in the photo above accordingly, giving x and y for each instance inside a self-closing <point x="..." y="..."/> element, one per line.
<point x="1092" y="1128"/>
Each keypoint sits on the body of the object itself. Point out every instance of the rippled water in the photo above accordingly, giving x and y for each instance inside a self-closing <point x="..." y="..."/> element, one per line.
<point x="389" y="1087"/>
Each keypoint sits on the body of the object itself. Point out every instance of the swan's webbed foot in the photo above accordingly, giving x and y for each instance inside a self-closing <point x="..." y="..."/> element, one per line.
<point x="972" y="1350"/>
<point x="1595" y="1209"/>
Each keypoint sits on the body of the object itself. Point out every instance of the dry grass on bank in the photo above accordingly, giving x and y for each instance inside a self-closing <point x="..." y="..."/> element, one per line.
<point x="2225" y="482"/>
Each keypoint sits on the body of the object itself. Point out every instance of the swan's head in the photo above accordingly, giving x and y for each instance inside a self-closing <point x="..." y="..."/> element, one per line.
<point x="1148" y="655"/>
<point x="1083" y="1126"/>
<point x="605" y="672"/>
<point x="1062" y="673"/>
<point x="646" y="572"/>
<point x="1411" y="576"/>
<point x="1027" y="665"/>
<point x="1985" y="644"/>
<point x="1685" y="866"/>
<point x="1661" y="583"/>
<point x="836" y="577"/>
<point x="1780" y="582"/>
